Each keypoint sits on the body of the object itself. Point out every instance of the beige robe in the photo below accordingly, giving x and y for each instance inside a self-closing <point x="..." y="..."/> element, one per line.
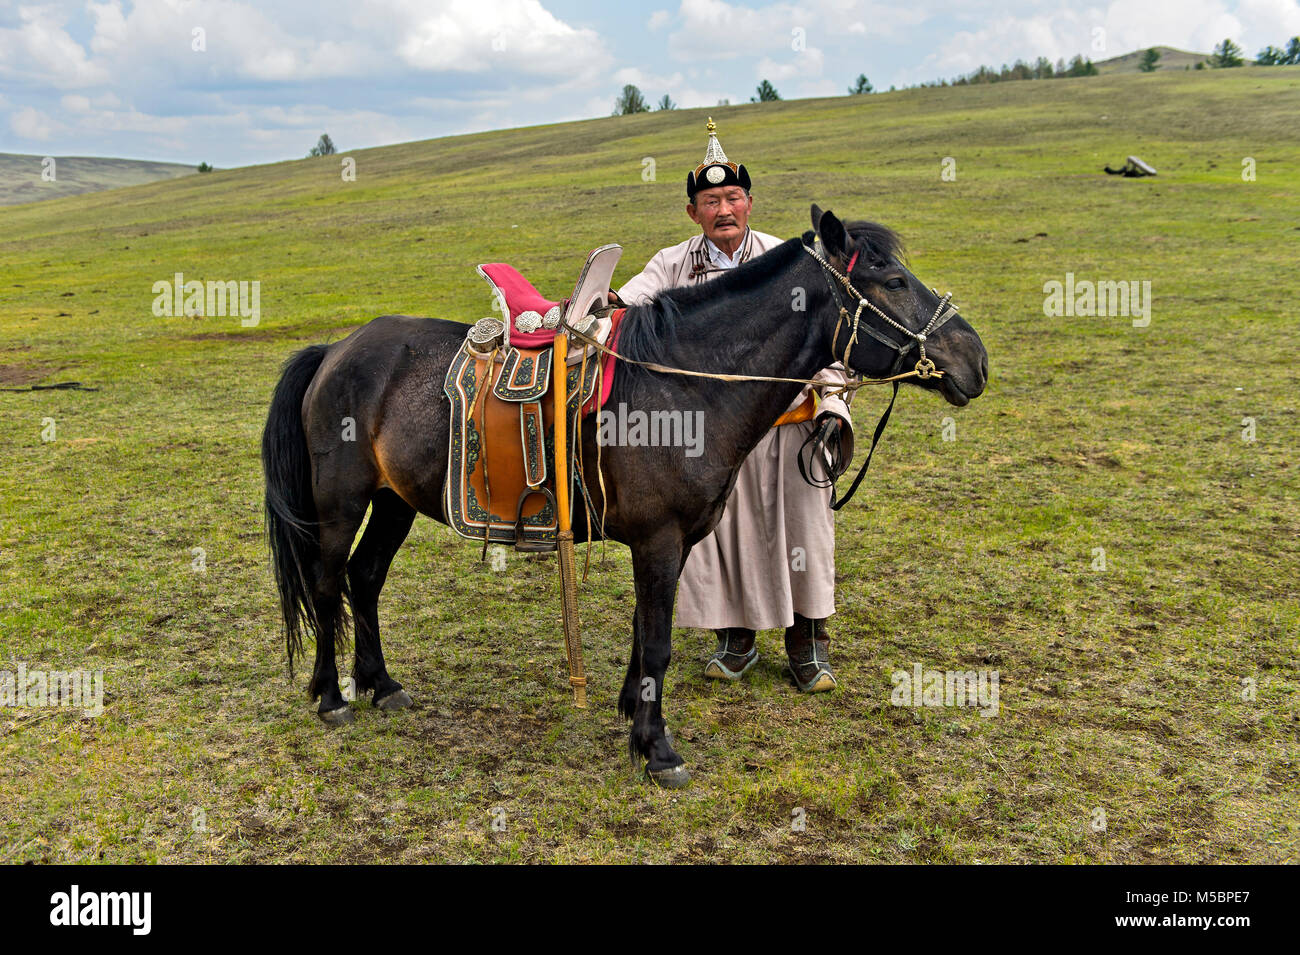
<point x="773" y="552"/>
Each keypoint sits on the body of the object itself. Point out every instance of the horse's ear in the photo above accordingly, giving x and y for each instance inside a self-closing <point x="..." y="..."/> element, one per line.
<point x="834" y="238"/>
<point x="816" y="216"/>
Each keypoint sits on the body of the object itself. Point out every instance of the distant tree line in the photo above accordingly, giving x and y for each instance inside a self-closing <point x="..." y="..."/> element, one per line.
<point x="1226" y="55"/>
<point x="1040" y="69"/>
<point x="632" y="100"/>
<point x="1287" y="56"/>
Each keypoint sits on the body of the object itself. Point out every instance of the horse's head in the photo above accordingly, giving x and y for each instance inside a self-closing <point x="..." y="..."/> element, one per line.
<point x="890" y="321"/>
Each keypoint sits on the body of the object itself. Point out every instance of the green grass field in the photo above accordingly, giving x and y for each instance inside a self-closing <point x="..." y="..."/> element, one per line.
<point x="1161" y="695"/>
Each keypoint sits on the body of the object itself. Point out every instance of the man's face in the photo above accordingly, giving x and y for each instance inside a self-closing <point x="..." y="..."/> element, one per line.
<point x="723" y="213"/>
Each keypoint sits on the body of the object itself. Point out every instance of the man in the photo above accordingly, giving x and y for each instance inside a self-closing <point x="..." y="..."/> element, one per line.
<point x="770" y="562"/>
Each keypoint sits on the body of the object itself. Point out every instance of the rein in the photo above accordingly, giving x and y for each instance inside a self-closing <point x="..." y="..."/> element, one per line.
<point x="924" y="369"/>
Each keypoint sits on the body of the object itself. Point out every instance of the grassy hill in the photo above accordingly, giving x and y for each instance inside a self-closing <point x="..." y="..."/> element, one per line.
<point x="21" y="176"/>
<point x="1170" y="59"/>
<point x="1123" y="690"/>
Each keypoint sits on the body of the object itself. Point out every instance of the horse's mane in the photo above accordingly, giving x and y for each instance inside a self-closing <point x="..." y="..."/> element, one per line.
<point x="879" y="244"/>
<point x="648" y="332"/>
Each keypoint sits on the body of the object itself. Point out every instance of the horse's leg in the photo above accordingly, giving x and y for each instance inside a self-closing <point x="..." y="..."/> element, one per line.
<point x="390" y="522"/>
<point x="656" y="562"/>
<point x="627" y="697"/>
<point x="337" y="529"/>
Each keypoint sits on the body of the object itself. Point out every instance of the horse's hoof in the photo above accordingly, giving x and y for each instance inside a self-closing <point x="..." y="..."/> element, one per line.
<point x="674" y="777"/>
<point x="340" y="717"/>
<point x="397" y="700"/>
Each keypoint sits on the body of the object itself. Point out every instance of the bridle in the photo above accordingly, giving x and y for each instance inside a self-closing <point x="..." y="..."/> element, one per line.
<point x="924" y="369"/>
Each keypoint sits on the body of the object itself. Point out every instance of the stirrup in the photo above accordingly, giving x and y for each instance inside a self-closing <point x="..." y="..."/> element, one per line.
<point x="532" y="547"/>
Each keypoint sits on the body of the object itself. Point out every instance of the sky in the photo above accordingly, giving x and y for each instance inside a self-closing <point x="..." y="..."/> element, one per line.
<point x="235" y="83"/>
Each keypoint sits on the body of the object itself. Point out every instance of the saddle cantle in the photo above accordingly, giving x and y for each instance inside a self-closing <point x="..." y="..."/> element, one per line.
<point x="501" y="454"/>
<point x="530" y="318"/>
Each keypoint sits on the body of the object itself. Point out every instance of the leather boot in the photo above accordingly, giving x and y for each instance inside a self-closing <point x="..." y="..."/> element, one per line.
<point x="736" y="653"/>
<point x="808" y="646"/>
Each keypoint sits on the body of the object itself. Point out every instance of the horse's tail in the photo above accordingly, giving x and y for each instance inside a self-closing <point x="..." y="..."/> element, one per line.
<point x="291" y="527"/>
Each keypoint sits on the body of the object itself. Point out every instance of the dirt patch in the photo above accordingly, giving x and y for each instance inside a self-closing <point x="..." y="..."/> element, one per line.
<point x="15" y="375"/>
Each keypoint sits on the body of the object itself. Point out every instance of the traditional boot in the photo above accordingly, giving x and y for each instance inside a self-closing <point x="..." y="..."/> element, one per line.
<point x="736" y="653"/>
<point x="808" y="647"/>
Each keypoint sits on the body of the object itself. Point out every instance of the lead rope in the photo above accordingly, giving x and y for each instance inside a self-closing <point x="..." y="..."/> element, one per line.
<point x="669" y="370"/>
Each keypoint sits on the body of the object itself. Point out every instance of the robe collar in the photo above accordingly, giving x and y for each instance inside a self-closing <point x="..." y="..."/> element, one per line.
<point x="706" y="258"/>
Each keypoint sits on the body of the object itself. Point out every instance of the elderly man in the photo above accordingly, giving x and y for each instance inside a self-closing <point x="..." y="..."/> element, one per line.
<point x="770" y="562"/>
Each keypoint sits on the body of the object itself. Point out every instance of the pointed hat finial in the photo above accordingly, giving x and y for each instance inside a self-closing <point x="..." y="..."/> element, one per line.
<point x="713" y="154"/>
<point x="716" y="169"/>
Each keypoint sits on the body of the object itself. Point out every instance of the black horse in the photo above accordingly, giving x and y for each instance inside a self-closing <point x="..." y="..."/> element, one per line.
<point x="387" y="377"/>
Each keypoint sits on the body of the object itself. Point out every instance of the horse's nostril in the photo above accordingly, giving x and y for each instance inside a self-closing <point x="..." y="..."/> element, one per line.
<point x="984" y="366"/>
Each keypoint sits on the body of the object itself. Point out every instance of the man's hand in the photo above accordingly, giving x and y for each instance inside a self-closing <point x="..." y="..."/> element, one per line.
<point x="615" y="300"/>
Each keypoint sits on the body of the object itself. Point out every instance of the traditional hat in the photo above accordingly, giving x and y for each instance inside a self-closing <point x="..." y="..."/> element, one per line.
<point x="716" y="170"/>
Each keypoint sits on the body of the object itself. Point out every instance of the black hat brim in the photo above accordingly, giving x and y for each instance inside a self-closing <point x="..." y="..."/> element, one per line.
<point x="731" y="177"/>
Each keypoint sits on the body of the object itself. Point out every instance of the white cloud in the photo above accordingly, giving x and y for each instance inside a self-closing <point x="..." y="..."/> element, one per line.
<point x="520" y="36"/>
<point x="647" y="81"/>
<point x="711" y="30"/>
<point x="805" y="67"/>
<point x="40" y="50"/>
<point x="1268" y="23"/>
<point x="714" y="29"/>
<point x="29" y="123"/>
<point x="120" y="76"/>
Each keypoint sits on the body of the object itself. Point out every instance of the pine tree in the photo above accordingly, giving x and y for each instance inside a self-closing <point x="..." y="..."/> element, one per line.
<point x="766" y="93"/>
<point x="630" y="101"/>
<point x="324" y="146"/>
<point x="1226" y="55"/>
<point x="1149" y="60"/>
<point x="860" y="85"/>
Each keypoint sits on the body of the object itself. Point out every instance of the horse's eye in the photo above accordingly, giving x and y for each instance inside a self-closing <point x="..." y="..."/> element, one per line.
<point x="895" y="284"/>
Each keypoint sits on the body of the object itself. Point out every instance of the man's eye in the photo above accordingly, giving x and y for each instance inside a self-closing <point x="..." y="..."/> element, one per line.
<point x="895" y="284"/>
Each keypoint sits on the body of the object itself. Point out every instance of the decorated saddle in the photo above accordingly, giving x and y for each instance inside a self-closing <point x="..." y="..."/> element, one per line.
<point x="502" y="456"/>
